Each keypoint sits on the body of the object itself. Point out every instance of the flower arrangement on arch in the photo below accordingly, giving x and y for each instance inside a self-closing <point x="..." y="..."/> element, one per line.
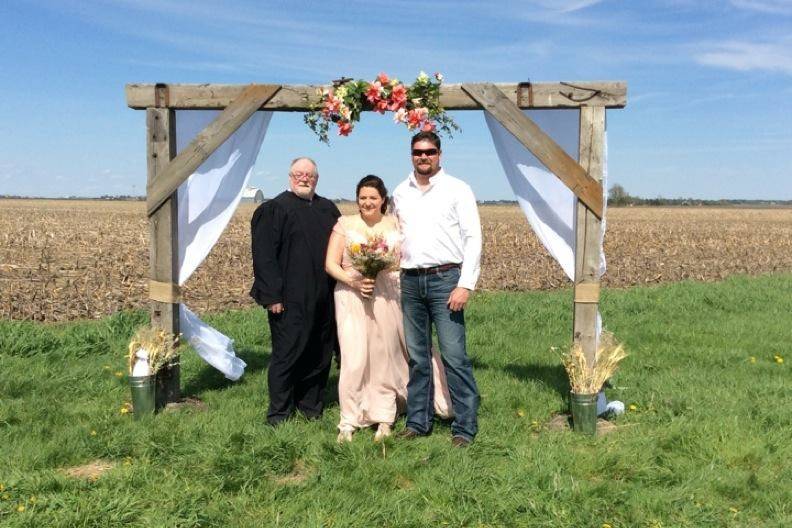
<point x="417" y="106"/>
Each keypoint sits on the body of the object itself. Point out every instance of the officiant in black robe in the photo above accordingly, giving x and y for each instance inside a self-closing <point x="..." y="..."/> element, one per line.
<point x="289" y="240"/>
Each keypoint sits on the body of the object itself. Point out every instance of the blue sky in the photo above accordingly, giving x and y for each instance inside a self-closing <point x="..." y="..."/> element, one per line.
<point x="709" y="111"/>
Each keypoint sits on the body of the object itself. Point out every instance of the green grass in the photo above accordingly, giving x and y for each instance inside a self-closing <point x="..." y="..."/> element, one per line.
<point x="708" y="443"/>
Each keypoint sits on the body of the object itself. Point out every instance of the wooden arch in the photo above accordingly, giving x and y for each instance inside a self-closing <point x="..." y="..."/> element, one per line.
<point x="166" y="170"/>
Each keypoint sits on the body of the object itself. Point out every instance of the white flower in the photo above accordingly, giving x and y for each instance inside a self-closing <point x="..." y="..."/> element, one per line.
<point x="345" y="112"/>
<point x="422" y="77"/>
<point x="439" y="76"/>
<point x="400" y="116"/>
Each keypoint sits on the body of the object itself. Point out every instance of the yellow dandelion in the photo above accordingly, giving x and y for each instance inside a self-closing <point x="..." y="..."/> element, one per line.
<point x="734" y="510"/>
<point x="752" y="359"/>
<point x="606" y="525"/>
<point x="354" y="248"/>
<point x="633" y="407"/>
<point x="118" y="373"/>
<point x="106" y="367"/>
<point x="779" y="359"/>
<point x="520" y="413"/>
<point x="20" y="508"/>
<point x="123" y="410"/>
<point x="93" y="433"/>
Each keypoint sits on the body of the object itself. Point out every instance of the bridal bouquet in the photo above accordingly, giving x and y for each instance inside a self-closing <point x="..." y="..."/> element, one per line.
<point x="371" y="256"/>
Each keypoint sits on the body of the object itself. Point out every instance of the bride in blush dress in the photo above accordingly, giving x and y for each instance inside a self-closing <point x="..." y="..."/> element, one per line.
<point x="372" y="386"/>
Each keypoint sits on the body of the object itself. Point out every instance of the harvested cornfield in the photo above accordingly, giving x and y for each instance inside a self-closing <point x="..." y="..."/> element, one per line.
<point x="65" y="260"/>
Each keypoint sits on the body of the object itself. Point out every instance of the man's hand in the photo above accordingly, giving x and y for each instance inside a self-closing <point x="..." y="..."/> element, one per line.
<point x="275" y="308"/>
<point x="458" y="299"/>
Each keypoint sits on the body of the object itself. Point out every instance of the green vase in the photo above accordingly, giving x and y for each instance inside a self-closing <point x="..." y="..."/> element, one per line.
<point x="143" y="389"/>
<point x="584" y="413"/>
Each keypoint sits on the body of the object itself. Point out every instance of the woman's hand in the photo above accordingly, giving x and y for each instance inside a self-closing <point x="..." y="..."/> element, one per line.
<point x="363" y="285"/>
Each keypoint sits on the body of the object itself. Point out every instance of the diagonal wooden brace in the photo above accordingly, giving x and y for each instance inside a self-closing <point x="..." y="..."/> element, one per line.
<point x="493" y="100"/>
<point x="206" y="142"/>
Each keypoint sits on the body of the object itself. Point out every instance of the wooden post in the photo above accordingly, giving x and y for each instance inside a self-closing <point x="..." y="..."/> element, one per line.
<point x="588" y="232"/>
<point x="163" y="239"/>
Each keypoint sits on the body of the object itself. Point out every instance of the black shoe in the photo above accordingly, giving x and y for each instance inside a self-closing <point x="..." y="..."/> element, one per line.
<point x="459" y="441"/>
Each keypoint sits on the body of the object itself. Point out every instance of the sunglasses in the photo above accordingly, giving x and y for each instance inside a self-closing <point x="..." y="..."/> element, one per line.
<point x="429" y="152"/>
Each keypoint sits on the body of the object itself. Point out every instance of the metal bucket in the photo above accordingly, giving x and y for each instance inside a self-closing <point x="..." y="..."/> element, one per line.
<point x="584" y="413"/>
<point x="143" y="389"/>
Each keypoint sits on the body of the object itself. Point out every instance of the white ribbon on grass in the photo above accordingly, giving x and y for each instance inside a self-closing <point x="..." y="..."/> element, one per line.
<point x="206" y="202"/>
<point x="547" y="203"/>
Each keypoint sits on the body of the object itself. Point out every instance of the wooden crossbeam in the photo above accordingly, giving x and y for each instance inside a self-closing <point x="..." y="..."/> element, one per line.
<point x="569" y="171"/>
<point x="300" y="98"/>
<point x="206" y="142"/>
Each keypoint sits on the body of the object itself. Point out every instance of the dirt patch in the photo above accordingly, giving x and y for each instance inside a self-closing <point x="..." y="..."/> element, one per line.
<point x="299" y="473"/>
<point x="190" y="402"/>
<point x="91" y="471"/>
<point x="563" y="422"/>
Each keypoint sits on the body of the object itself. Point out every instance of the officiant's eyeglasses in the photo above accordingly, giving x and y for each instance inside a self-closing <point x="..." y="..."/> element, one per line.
<point x="420" y="152"/>
<point x="297" y="175"/>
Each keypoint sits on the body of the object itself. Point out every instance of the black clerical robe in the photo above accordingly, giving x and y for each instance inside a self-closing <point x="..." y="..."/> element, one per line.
<point x="289" y="242"/>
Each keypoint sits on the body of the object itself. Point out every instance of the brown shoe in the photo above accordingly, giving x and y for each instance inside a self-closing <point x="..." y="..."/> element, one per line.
<point x="407" y="434"/>
<point x="459" y="441"/>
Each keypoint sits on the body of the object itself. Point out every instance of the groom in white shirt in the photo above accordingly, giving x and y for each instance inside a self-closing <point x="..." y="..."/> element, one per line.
<point x="440" y="263"/>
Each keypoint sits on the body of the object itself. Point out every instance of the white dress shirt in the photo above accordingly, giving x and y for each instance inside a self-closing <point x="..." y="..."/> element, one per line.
<point x="440" y="225"/>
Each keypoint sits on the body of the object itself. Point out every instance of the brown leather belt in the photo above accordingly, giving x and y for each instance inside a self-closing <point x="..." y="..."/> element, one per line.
<point x="429" y="271"/>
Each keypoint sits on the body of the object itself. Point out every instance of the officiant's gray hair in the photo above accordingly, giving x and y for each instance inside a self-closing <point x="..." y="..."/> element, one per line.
<point x="306" y="158"/>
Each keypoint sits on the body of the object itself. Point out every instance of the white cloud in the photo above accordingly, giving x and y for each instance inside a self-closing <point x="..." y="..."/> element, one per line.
<point x="748" y="56"/>
<point x="776" y="7"/>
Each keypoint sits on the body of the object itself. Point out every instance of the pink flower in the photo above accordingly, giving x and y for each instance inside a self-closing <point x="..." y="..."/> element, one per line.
<point x="398" y="98"/>
<point x="416" y="116"/>
<point x="373" y="92"/>
<point x="439" y="76"/>
<point x="428" y="126"/>
<point x="381" y="106"/>
<point x="332" y="104"/>
<point x="344" y="128"/>
<point x="400" y="116"/>
<point x="383" y="78"/>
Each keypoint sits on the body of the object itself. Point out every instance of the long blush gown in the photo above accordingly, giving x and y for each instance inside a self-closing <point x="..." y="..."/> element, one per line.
<point x="372" y="387"/>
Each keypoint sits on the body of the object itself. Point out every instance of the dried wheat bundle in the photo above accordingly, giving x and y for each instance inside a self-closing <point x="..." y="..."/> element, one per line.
<point x="160" y="345"/>
<point x="585" y="380"/>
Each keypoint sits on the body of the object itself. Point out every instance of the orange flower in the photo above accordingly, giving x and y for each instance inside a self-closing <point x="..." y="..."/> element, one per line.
<point x="398" y="98"/>
<point x="383" y="78"/>
<point x="373" y="92"/>
<point x="428" y="126"/>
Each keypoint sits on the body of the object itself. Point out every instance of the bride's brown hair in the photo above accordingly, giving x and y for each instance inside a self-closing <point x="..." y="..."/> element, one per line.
<point x="375" y="182"/>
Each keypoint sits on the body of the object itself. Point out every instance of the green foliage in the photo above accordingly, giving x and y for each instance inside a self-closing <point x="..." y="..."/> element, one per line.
<point x="707" y="444"/>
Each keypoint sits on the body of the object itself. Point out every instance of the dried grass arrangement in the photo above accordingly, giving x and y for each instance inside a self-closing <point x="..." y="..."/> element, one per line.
<point x="584" y="380"/>
<point x="162" y="348"/>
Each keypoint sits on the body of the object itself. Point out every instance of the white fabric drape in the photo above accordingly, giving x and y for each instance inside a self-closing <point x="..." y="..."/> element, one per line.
<point x="547" y="203"/>
<point x="206" y="202"/>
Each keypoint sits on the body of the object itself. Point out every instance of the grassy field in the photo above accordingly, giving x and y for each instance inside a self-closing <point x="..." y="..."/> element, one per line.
<point x="707" y="443"/>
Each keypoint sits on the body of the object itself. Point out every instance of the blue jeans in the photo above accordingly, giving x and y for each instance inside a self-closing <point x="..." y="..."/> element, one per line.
<point x="424" y="302"/>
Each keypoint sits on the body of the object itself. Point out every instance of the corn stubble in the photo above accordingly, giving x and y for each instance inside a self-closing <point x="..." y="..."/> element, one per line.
<point x="66" y="260"/>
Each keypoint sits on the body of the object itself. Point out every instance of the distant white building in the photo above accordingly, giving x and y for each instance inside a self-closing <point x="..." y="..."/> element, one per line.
<point x="252" y="194"/>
